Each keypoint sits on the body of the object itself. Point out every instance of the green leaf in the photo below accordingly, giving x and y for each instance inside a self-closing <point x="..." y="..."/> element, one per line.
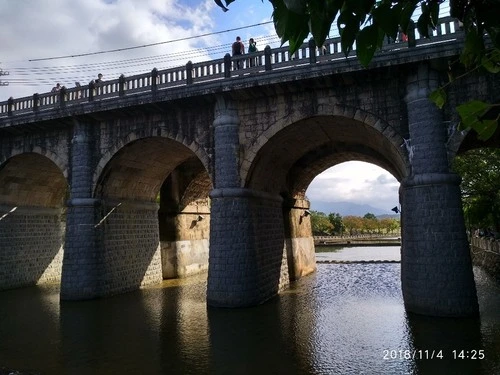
<point x="485" y="129"/>
<point x="422" y="25"/>
<point x="469" y="112"/>
<point x="381" y="38"/>
<point x="491" y="62"/>
<point x="348" y="24"/>
<point x="406" y="13"/>
<point x="358" y="7"/>
<point x="434" y="13"/>
<point x="289" y="25"/>
<point x="366" y="44"/>
<point x="387" y="19"/>
<point x="471" y="117"/>
<point x="473" y="48"/>
<point x="296" y="6"/>
<point x="438" y="96"/>
<point x="322" y="18"/>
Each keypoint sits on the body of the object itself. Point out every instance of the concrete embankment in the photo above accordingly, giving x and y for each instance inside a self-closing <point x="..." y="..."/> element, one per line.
<point x="356" y="261"/>
<point x="356" y="241"/>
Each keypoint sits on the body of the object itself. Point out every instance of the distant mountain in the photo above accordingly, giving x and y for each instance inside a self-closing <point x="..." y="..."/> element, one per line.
<point x="348" y="209"/>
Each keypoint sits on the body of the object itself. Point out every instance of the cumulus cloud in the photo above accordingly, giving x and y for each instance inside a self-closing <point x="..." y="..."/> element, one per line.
<point x="355" y="182"/>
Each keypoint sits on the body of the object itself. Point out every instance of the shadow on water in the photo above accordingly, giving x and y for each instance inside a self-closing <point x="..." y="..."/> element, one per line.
<point x="437" y="344"/>
<point x="29" y="331"/>
<point x="108" y="336"/>
<point x="251" y="341"/>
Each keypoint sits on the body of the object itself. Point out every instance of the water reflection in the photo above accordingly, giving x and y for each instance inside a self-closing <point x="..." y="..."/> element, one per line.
<point x="342" y="320"/>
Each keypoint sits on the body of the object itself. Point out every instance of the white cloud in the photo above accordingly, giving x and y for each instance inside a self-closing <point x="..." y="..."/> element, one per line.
<point x="355" y="182"/>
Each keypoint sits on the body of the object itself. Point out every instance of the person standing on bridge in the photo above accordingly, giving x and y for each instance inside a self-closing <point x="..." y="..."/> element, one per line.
<point x="99" y="78"/>
<point x="238" y="49"/>
<point x="56" y="88"/>
<point x="252" y="48"/>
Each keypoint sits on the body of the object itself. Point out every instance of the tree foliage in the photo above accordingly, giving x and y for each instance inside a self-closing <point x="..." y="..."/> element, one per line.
<point x="320" y="223"/>
<point x="337" y="223"/>
<point x="334" y="224"/>
<point x="480" y="186"/>
<point x="366" y="23"/>
<point x="369" y="216"/>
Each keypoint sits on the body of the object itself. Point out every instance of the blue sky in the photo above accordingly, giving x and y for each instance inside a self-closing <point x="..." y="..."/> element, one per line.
<point x="44" y="29"/>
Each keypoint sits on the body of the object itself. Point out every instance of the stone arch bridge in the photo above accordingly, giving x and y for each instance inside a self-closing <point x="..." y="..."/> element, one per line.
<point x="110" y="187"/>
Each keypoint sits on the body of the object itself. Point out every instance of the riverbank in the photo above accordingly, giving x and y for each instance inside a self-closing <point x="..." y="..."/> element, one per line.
<point x="356" y="241"/>
<point x="355" y="262"/>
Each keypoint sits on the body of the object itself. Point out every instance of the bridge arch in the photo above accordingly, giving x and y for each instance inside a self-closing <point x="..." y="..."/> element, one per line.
<point x="61" y="164"/>
<point x="297" y="148"/>
<point x="290" y="153"/>
<point x="133" y="137"/>
<point x="32" y="179"/>
<point x="154" y="212"/>
<point x="33" y="191"/>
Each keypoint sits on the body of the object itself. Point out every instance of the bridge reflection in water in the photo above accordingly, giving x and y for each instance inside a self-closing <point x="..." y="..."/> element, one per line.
<point x="342" y="320"/>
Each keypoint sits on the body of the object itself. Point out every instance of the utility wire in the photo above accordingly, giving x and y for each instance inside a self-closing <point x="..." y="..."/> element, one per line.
<point x="41" y="76"/>
<point x="149" y="45"/>
<point x="30" y="76"/>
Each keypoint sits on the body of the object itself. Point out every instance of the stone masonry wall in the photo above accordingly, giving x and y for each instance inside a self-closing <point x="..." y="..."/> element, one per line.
<point x="301" y="254"/>
<point x="131" y="254"/>
<point x="486" y="254"/>
<point x="433" y="259"/>
<point x="188" y="253"/>
<point x="246" y="248"/>
<point x="31" y="246"/>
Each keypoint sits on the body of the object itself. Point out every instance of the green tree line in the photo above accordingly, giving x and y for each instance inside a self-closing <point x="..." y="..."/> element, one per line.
<point x="480" y="187"/>
<point x="334" y="224"/>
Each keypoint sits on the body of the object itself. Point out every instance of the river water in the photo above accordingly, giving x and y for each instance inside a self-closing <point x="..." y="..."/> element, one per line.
<point x="344" y="319"/>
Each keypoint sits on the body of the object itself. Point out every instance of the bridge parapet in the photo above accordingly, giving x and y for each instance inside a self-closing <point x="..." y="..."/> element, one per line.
<point x="209" y="71"/>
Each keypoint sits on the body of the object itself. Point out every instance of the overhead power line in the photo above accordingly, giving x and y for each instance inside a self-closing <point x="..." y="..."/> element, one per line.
<point x="46" y="75"/>
<point x="3" y="73"/>
<point x="149" y="45"/>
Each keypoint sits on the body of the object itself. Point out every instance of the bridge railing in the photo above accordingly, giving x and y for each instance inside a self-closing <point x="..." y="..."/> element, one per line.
<point x="196" y="73"/>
